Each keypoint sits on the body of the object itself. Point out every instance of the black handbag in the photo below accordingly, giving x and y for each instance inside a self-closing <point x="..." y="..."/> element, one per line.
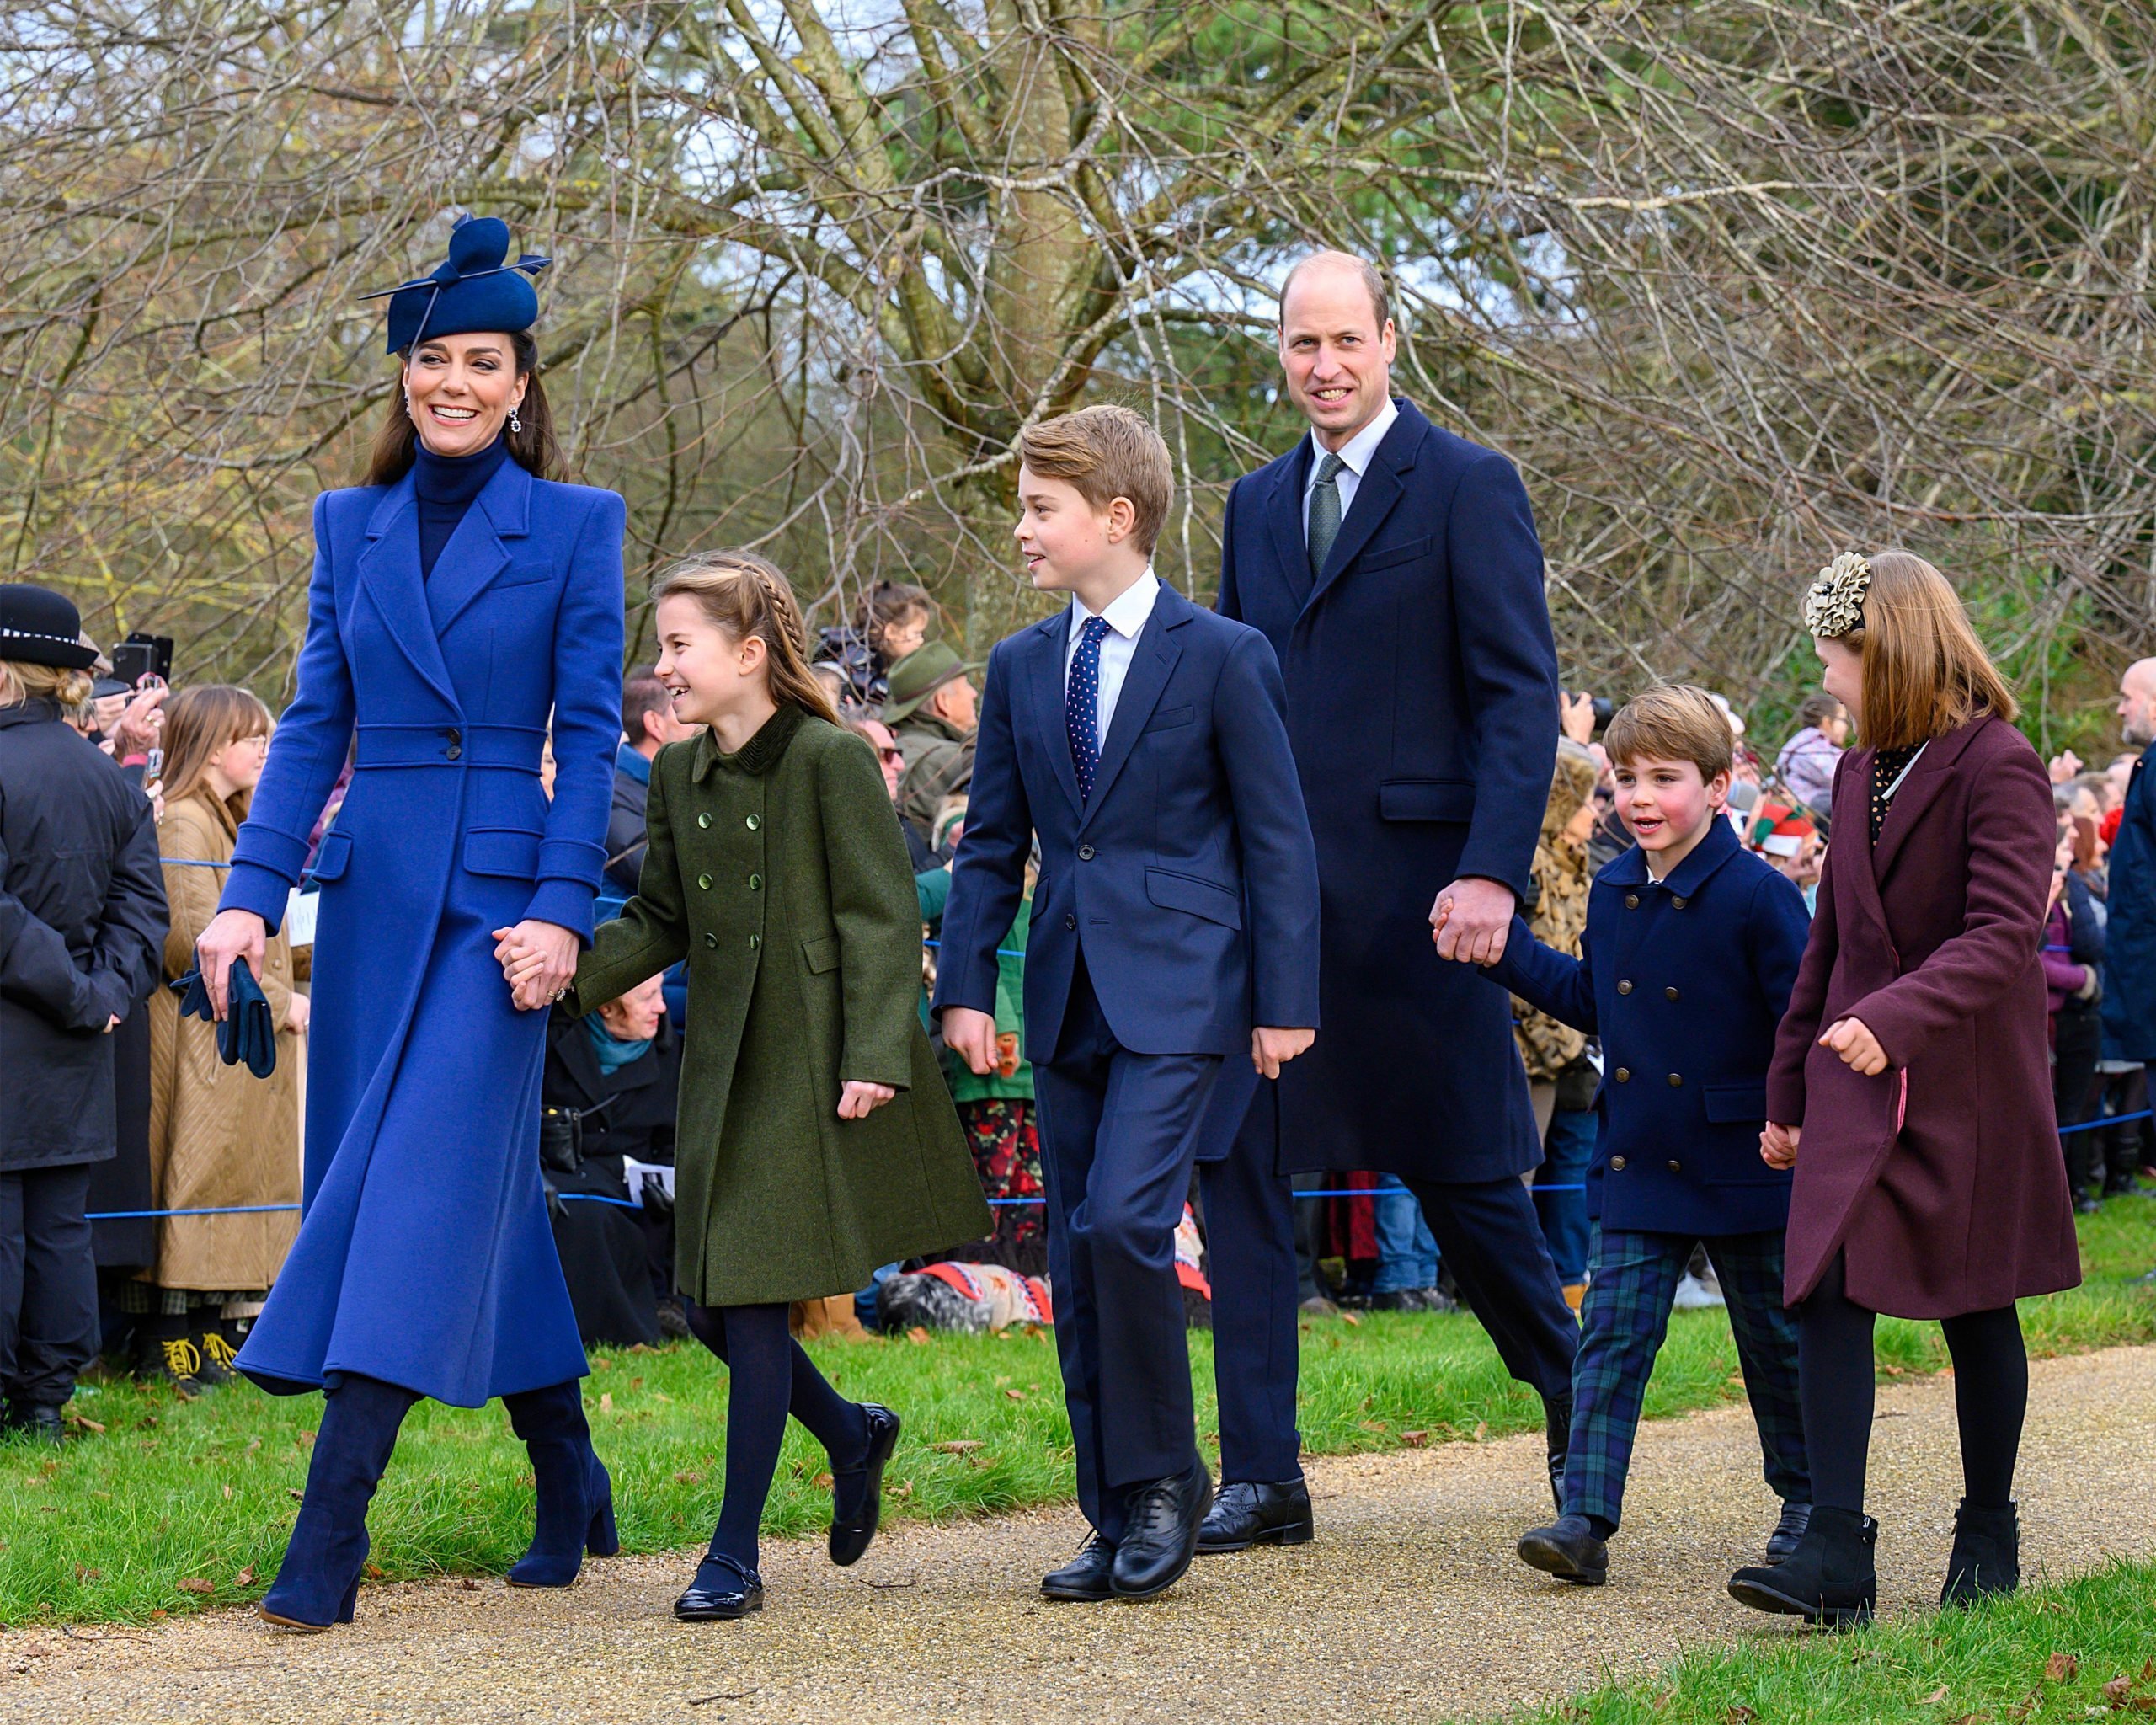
<point x="561" y="1135"/>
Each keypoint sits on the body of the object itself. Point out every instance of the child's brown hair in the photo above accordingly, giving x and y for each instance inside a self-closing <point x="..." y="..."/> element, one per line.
<point x="1672" y="722"/>
<point x="200" y="723"/>
<point x="1925" y="671"/>
<point x="1107" y="452"/>
<point x="747" y="596"/>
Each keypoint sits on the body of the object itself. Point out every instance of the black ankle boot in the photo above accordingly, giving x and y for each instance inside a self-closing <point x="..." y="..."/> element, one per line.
<point x="319" y="1579"/>
<point x="576" y="1509"/>
<point x="1986" y="1556"/>
<point x="1828" y="1579"/>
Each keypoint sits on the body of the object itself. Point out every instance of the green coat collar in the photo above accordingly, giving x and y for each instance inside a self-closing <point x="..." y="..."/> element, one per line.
<point x="758" y="755"/>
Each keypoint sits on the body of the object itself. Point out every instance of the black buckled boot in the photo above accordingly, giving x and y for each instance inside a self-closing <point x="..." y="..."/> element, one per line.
<point x="1986" y="1556"/>
<point x="1828" y="1579"/>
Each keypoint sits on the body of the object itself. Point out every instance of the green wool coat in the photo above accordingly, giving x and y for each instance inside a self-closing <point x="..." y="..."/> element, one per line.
<point x="780" y="874"/>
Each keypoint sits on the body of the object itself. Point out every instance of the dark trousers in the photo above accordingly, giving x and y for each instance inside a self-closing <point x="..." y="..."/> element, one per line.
<point x="1627" y="1317"/>
<point x="1489" y="1237"/>
<point x="1118" y="1135"/>
<point x="1249" y="1246"/>
<point x="2077" y="1043"/>
<point x="48" y="1284"/>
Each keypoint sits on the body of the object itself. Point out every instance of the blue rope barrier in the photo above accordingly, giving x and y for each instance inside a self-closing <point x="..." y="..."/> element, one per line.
<point x="136" y="1215"/>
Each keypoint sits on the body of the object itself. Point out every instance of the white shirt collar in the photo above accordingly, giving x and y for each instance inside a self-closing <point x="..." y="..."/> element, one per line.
<point x="1126" y="613"/>
<point x="1355" y="454"/>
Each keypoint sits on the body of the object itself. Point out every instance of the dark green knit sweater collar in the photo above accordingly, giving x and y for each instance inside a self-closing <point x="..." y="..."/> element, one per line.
<point x="759" y="754"/>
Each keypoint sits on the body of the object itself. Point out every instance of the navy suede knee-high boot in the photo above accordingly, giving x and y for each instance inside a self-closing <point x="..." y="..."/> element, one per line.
<point x="319" y="1581"/>
<point x="576" y="1497"/>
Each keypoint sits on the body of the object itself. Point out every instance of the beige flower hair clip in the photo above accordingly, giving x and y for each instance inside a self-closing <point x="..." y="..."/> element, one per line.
<point x="1835" y="604"/>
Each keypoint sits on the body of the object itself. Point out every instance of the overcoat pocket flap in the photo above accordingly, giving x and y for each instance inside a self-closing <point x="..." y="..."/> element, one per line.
<point x="502" y="850"/>
<point x="1168" y="718"/>
<point x="1427" y="799"/>
<point x="1201" y="898"/>
<point x="1736" y="1104"/>
<point x="821" y="953"/>
<point x="1384" y="557"/>
<point x="335" y="854"/>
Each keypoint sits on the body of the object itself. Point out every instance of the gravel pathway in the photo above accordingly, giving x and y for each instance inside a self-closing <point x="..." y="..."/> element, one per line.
<point x="1410" y="1605"/>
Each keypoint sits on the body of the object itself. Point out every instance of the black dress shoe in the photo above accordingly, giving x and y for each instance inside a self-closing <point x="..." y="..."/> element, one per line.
<point x="722" y="1590"/>
<point x="850" y="1532"/>
<point x="36" y="1421"/>
<point x="1568" y="1550"/>
<point x="1160" y="1537"/>
<point x="1557" y="1428"/>
<point x="1789" y="1533"/>
<point x="1245" y="1514"/>
<point x="1085" y="1578"/>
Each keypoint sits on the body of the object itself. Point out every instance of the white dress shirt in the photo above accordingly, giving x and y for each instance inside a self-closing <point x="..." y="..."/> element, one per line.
<point x="1125" y="617"/>
<point x="1355" y="454"/>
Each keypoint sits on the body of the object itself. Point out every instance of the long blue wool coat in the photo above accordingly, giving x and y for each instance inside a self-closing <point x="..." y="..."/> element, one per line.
<point x="1684" y="983"/>
<point x="424" y="1256"/>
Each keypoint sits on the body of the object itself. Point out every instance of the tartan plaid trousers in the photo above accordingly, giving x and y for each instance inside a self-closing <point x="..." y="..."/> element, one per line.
<point x="1625" y="1316"/>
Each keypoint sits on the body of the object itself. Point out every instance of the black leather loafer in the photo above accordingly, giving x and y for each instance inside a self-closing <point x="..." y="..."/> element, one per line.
<point x="1160" y="1537"/>
<point x="850" y="1535"/>
<point x="1085" y="1579"/>
<point x="722" y="1590"/>
<point x="1245" y="1514"/>
<point x="1568" y="1550"/>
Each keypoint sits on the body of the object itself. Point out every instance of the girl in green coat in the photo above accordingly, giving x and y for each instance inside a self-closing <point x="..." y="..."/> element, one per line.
<point x="816" y="1139"/>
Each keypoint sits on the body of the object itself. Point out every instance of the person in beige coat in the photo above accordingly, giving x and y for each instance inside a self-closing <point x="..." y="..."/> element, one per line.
<point x="220" y="1138"/>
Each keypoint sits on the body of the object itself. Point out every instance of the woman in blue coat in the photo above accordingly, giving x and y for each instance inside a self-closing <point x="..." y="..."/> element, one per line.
<point x="460" y="598"/>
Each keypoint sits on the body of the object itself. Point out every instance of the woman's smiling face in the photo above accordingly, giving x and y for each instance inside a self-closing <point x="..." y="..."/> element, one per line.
<point x="460" y="391"/>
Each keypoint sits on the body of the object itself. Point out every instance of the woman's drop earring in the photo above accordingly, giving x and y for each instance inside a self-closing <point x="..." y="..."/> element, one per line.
<point x="515" y="423"/>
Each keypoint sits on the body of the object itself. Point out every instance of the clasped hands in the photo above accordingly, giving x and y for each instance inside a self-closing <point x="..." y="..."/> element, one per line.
<point x="1859" y="1050"/>
<point x="538" y="961"/>
<point x="970" y="1034"/>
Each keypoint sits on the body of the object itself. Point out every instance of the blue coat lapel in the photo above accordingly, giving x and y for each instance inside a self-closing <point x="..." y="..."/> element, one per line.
<point x="475" y="554"/>
<point x="389" y="572"/>
<point x="1380" y="488"/>
<point x="1043" y="669"/>
<point x="1151" y="664"/>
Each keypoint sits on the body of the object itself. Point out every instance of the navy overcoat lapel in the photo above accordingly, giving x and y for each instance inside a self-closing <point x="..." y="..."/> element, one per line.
<point x="1283" y="524"/>
<point x="1378" y="489"/>
<point x="1152" y="663"/>
<point x="1042" y="665"/>
<point x="475" y="555"/>
<point x="389" y="574"/>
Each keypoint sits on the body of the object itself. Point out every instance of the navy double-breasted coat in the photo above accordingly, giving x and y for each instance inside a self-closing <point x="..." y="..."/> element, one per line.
<point x="2130" y="933"/>
<point x="1421" y="704"/>
<point x="423" y="1256"/>
<point x="1685" y="982"/>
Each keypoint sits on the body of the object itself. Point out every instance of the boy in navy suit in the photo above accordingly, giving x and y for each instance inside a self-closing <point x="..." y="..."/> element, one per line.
<point x="1174" y="928"/>
<point x="1692" y="945"/>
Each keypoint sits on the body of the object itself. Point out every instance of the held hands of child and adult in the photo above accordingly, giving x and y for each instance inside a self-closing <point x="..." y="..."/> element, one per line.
<point x="1470" y="919"/>
<point x="538" y="961"/>
<point x="1859" y="1050"/>
<point x="970" y="1034"/>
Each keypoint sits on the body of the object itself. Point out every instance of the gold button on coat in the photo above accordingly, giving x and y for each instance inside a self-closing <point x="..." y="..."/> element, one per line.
<point x="1617" y="1163"/>
<point x="1623" y="986"/>
<point x="1631" y="901"/>
<point x="1669" y="994"/>
<point x="1677" y="904"/>
<point x="1624" y="1075"/>
<point x="1676" y="1168"/>
<point x="1676" y="1079"/>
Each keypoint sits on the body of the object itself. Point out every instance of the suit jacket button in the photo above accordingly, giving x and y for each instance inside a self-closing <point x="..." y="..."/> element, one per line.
<point x="1632" y="902"/>
<point x="1085" y="853"/>
<point x="711" y="940"/>
<point x="1624" y="1075"/>
<point x="1675" y="904"/>
<point x="1676" y="1079"/>
<point x="1669" y="994"/>
<point x="1623" y="986"/>
<point x="1070" y="922"/>
<point x="1617" y="1164"/>
<point x="703" y="881"/>
<point x="704" y="821"/>
<point x="1676" y="1168"/>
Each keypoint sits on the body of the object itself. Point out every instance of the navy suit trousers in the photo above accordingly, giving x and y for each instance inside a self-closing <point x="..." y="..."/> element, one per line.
<point x="1118" y="1136"/>
<point x="1250" y="1243"/>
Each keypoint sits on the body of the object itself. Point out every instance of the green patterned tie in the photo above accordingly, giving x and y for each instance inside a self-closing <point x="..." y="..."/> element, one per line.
<point x="1324" y="513"/>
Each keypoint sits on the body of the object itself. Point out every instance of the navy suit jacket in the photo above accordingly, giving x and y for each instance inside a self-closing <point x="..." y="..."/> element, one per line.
<point x="1423" y="704"/>
<point x="1684" y="983"/>
<point x="1188" y="880"/>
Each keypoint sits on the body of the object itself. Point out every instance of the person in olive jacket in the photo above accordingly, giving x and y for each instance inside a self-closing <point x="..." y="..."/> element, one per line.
<point x="82" y="930"/>
<point x="816" y="1139"/>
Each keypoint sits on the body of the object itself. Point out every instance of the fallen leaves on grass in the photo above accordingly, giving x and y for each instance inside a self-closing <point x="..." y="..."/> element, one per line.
<point x="1415" y="1441"/>
<point x="87" y="1424"/>
<point x="688" y="1479"/>
<point x="917" y="1336"/>
<point x="957" y="1446"/>
<point x="1016" y="1395"/>
<point x="2060" y="1668"/>
<point x="196" y="1584"/>
<point x="245" y="1578"/>
<point x="1936" y="1696"/>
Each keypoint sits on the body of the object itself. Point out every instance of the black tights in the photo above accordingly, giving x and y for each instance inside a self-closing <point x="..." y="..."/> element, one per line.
<point x="769" y="1377"/>
<point x="1835" y="1377"/>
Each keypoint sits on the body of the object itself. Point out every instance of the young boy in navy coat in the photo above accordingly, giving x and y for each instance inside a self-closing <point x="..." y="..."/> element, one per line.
<point x="1174" y="928"/>
<point x="1691" y="948"/>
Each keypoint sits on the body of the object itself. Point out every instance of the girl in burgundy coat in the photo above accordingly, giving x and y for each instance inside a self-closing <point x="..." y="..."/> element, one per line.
<point x="1911" y="1087"/>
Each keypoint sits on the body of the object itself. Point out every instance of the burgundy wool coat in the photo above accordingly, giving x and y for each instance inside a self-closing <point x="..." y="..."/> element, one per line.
<point x="1941" y="1178"/>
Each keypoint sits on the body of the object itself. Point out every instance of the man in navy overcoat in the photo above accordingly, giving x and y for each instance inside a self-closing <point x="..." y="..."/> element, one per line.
<point x="1396" y="569"/>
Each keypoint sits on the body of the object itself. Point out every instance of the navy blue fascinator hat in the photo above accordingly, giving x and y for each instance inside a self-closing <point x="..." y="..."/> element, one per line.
<point x="475" y="288"/>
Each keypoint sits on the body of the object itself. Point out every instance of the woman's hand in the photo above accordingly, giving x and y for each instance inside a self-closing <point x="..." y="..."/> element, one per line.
<point x="1777" y="1144"/>
<point x="297" y="1012"/>
<point x="1859" y="1049"/>
<point x="538" y="961"/>
<point x="858" y="1101"/>
<point x="231" y="934"/>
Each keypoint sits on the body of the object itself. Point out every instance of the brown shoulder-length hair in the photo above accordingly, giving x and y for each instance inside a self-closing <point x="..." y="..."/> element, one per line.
<point x="535" y="447"/>
<point x="201" y="722"/>
<point x="746" y="595"/>
<point x="1925" y="673"/>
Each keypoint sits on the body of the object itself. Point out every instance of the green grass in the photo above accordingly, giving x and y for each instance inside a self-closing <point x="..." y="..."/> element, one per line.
<point x="171" y="1492"/>
<point x="2052" y="1654"/>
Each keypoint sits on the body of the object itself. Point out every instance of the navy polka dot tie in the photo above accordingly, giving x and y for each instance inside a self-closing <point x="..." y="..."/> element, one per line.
<point x="1081" y="705"/>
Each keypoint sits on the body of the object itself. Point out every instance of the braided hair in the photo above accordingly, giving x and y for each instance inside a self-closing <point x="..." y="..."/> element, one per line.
<point x="747" y="596"/>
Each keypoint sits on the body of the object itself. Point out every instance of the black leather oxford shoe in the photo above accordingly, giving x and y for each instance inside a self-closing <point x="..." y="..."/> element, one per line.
<point x="1161" y="1536"/>
<point x="1568" y="1550"/>
<point x="722" y="1590"/>
<point x="857" y="1494"/>
<point x="1085" y="1578"/>
<point x="1245" y="1514"/>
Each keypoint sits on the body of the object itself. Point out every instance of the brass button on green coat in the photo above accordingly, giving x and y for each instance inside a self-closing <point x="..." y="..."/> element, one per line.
<point x="755" y="883"/>
<point x="775" y="1197"/>
<point x="704" y="882"/>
